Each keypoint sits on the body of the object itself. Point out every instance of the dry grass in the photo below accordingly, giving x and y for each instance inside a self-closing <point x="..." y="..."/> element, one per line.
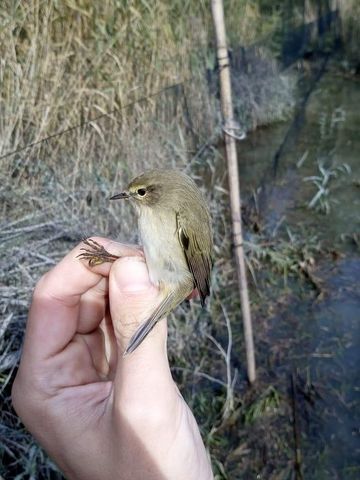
<point x="257" y="79"/>
<point x="61" y="65"/>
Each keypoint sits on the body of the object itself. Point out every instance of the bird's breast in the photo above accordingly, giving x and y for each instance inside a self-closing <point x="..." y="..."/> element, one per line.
<point x="164" y="255"/>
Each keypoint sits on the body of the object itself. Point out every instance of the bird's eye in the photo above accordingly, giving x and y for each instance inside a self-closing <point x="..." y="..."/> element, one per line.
<point x="141" y="192"/>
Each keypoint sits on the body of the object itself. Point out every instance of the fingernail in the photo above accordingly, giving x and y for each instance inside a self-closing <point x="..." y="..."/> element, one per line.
<point x="131" y="275"/>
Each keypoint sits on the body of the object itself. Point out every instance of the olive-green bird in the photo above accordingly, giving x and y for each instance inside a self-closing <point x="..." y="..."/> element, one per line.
<point x="175" y="230"/>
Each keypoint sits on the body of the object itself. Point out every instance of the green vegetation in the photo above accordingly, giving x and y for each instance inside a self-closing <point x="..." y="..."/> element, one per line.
<point x="266" y="404"/>
<point x="322" y="199"/>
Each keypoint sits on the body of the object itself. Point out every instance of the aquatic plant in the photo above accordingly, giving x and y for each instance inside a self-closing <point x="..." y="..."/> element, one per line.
<point x="323" y="198"/>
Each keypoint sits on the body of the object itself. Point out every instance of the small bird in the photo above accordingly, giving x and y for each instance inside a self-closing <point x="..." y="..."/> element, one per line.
<point x="176" y="234"/>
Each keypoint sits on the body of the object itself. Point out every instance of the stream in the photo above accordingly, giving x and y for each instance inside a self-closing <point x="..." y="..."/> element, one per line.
<point x="315" y="192"/>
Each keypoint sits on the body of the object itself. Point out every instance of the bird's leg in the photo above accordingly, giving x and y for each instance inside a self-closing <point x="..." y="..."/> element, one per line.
<point x="95" y="253"/>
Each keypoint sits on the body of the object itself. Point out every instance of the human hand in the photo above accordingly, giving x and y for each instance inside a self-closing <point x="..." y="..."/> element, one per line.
<point x="98" y="414"/>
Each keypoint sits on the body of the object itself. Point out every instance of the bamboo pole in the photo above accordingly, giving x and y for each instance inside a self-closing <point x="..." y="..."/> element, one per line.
<point x="234" y="184"/>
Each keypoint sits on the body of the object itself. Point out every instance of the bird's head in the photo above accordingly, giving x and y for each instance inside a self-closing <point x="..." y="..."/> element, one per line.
<point x="161" y="189"/>
<point x="147" y="189"/>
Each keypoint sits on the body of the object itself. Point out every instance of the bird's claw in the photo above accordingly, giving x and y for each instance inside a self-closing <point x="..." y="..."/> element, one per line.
<point x="95" y="253"/>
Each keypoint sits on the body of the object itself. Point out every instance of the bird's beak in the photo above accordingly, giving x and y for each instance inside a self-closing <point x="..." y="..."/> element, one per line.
<point x="120" y="195"/>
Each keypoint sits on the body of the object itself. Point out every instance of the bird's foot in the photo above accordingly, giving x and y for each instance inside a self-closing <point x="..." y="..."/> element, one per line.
<point x="95" y="253"/>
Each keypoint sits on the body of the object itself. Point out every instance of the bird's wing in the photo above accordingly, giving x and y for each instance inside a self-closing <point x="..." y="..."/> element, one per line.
<point x="197" y="248"/>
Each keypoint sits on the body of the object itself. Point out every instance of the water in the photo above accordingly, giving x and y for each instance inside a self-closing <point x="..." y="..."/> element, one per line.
<point x="315" y="333"/>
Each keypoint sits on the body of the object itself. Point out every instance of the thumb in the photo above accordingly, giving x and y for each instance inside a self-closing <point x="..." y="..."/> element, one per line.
<point x="132" y="299"/>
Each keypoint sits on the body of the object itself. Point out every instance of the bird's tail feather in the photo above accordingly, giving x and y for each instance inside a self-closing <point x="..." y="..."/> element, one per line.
<point x="145" y="328"/>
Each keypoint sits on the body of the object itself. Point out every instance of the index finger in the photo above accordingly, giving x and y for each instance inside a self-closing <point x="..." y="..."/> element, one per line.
<point x="54" y="313"/>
